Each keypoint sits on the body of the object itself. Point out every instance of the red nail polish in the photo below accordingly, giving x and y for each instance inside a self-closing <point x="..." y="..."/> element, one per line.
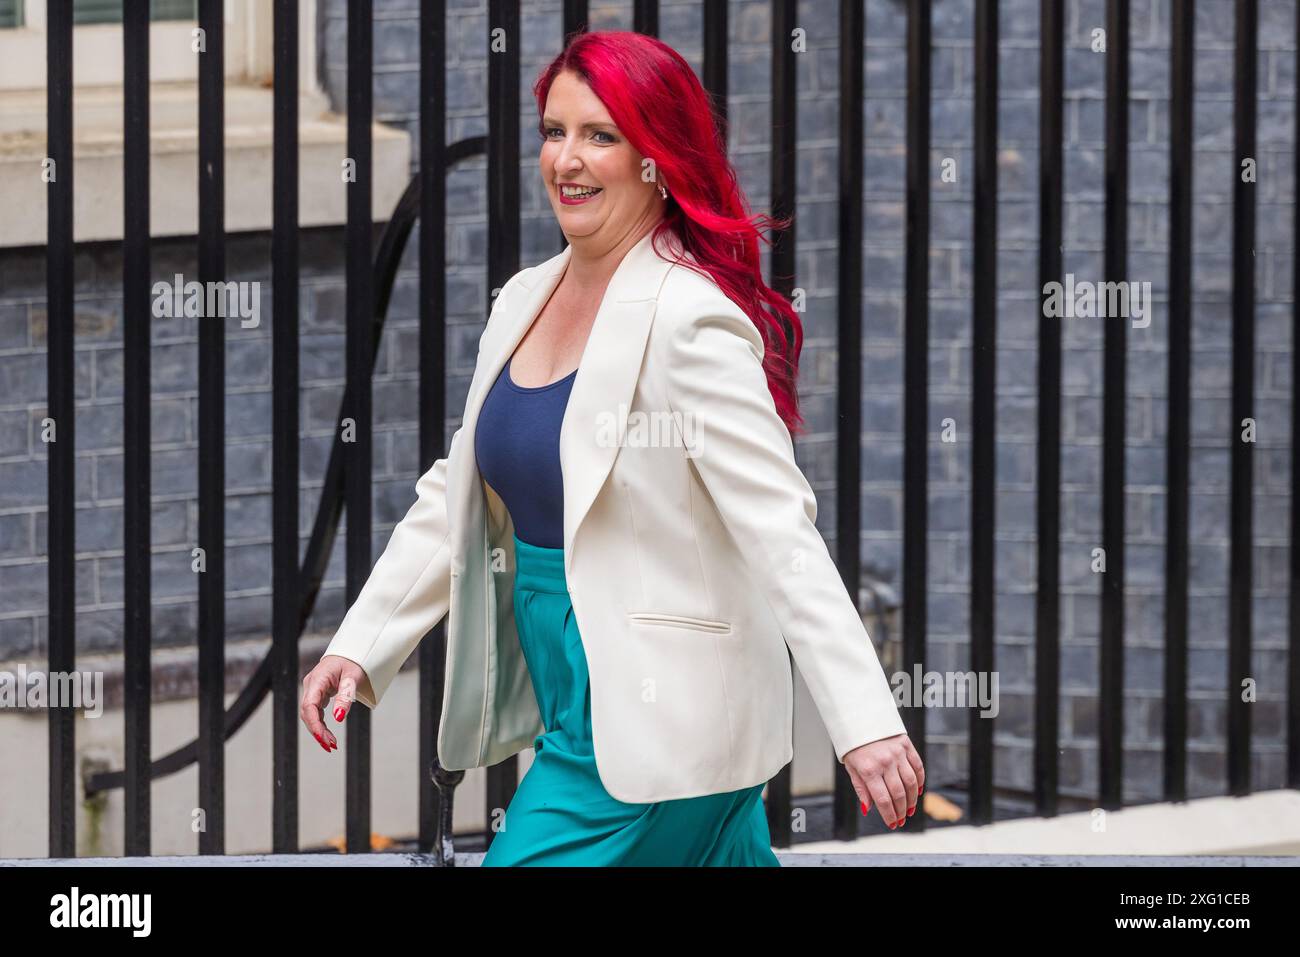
<point x="338" y="714"/>
<point x="863" y="804"/>
<point x="910" y="810"/>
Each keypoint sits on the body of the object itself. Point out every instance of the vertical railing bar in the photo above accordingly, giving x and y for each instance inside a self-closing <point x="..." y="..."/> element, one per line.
<point x="60" y="369"/>
<point x="1047" y="601"/>
<point x="433" y="367"/>
<point x="1113" y="411"/>
<point x="359" y="240"/>
<point x="715" y="59"/>
<point x="1181" y="63"/>
<point x="916" y="346"/>
<point x="286" y="584"/>
<point x="136" y="312"/>
<point x="212" y="433"/>
<point x="984" y="353"/>
<point x="1293" y="623"/>
<point x="575" y="17"/>
<point x="503" y="259"/>
<point x="846" y="811"/>
<point x="784" y="167"/>
<point x="1243" y="392"/>
<point x="645" y="17"/>
<point x="575" y="21"/>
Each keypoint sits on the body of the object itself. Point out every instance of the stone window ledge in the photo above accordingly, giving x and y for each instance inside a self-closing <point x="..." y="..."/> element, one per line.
<point x="173" y="176"/>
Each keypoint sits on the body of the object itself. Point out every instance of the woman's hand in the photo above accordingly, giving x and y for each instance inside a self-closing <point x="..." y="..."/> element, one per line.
<point x="890" y="772"/>
<point x="336" y="676"/>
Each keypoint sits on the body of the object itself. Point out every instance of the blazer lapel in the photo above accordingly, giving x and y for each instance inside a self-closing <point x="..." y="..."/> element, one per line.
<point x="596" y="416"/>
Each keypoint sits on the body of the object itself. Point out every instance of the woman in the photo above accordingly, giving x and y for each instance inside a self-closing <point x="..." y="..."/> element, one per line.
<point x="625" y="460"/>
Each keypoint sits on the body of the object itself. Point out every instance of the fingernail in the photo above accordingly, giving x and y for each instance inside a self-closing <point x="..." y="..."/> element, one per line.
<point x="863" y="805"/>
<point x="910" y="810"/>
<point x="338" y="714"/>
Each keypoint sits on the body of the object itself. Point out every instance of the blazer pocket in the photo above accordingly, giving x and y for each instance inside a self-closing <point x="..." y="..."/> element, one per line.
<point x="680" y="621"/>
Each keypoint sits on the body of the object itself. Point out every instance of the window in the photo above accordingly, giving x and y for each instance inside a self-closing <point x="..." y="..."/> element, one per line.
<point x="173" y="123"/>
<point x="97" y="41"/>
<point x="104" y="11"/>
<point x="110" y="11"/>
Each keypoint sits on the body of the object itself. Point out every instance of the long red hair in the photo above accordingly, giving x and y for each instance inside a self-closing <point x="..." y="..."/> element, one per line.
<point x="638" y="77"/>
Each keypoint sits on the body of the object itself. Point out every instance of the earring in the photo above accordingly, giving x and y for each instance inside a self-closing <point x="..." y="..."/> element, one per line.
<point x="663" y="192"/>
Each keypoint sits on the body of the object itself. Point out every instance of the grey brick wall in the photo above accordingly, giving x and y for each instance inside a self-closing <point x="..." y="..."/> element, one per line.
<point x="174" y="356"/>
<point x="22" y="376"/>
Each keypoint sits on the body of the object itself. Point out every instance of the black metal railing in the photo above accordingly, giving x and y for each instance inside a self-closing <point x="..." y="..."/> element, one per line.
<point x="370" y="275"/>
<point x="288" y="582"/>
<point x="136" y="511"/>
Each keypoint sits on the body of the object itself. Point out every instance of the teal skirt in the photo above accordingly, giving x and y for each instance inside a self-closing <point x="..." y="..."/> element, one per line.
<point x="561" y="814"/>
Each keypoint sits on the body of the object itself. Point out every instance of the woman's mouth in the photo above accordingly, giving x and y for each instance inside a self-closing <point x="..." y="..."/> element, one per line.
<point x="570" y="196"/>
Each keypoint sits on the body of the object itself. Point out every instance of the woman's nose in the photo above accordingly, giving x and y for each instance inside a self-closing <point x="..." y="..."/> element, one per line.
<point x="568" y="160"/>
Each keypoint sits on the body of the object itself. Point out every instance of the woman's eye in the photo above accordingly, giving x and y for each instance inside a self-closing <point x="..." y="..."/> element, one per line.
<point x="546" y="133"/>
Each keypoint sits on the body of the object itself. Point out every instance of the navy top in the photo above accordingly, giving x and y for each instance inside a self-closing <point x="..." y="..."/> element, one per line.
<point x="517" y="444"/>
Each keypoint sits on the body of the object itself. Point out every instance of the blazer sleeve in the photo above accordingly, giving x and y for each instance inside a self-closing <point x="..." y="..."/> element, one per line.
<point x="407" y="593"/>
<point x="745" y="458"/>
<point x="409" y="589"/>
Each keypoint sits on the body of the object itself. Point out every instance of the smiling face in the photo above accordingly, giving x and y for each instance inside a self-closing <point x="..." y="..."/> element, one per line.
<point x="581" y="147"/>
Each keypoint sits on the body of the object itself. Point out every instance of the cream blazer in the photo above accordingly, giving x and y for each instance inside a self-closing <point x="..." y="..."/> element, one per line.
<point x="691" y="556"/>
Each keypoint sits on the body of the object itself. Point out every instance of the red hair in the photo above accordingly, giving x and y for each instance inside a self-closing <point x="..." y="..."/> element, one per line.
<point x="636" y="76"/>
